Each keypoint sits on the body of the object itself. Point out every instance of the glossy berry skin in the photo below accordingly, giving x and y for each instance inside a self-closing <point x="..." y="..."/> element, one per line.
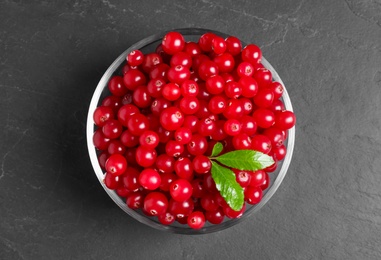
<point x="112" y="101"/>
<point x="112" y="129"/>
<point x="102" y="114"/>
<point x="135" y="200"/>
<point x="145" y="157"/>
<point x="233" y="45"/>
<point x="131" y="179"/>
<point x="207" y="69"/>
<point x="128" y="139"/>
<point x="218" y="45"/>
<point x="264" y="117"/>
<point x="206" y="127"/>
<point x="242" y="177"/>
<point x="277" y="105"/>
<point x="173" y="42"/>
<point x="174" y="148"/>
<point x="197" y="145"/>
<point x="192" y="48"/>
<point x="158" y="105"/>
<point x="156" y="203"/>
<point x="189" y="105"/>
<point x="178" y="74"/>
<point x="183" y="135"/>
<point x="116" y="164"/>
<point x="232" y="127"/>
<point x="189" y="88"/>
<point x="264" y="98"/>
<point x="225" y="62"/>
<point x="233" y="89"/>
<point x="258" y="178"/>
<point x="116" y="86"/>
<point x="135" y="58"/>
<point x="245" y="69"/>
<point x="242" y="142"/>
<point x="201" y="164"/>
<point x="164" y="163"/>
<point x="277" y="89"/>
<point x="252" y="53"/>
<point x="141" y="97"/>
<point x="151" y="60"/>
<point x="134" y="78"/>
<point x="196" y="220"/>
<point x="149" y="179"/>
<point x="149" y="139"/>
<point x="183" y="168"/>
<point x="234" y="109"/>
<point x="159" y="72"/>
<point x="171" y="118"/>
<point x="111" y="181"/>
<point x="205" y="41"/>
<point x="285" y="120"/>
<point x="181" y="58"/>
<point x="166" y="179"/>
<point x="116" y="146"/>
<point x="261" y="143"/>
<point x="217" y="104"/>
<point x="263" y="77"/>
<point x="253" y="195"/>
<point x="171" y="91"/>
<point x="275" y="135"/>
<point x="137" y="124"/>
<point x="215" y="85"/>
<point x="215" y="217"/>
<point x="166" y="218"/>
<point x="279" y="152"/>
<point x="125" y="112"/>
<point x="180" y="190"/>
<point x="249" y="86"/>
<point x="181" y="209"/>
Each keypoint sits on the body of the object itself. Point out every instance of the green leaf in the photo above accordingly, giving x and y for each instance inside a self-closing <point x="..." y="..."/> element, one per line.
<point x="247" y="160"/>
<point x="217" y="149"/>
<point x="227" y="185"/>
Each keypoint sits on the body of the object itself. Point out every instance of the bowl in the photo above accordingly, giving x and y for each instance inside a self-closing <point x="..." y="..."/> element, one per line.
<point x="148" y="45"/>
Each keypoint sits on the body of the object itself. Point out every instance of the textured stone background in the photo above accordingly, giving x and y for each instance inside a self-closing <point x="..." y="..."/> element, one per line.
<point x="53" y="53"/>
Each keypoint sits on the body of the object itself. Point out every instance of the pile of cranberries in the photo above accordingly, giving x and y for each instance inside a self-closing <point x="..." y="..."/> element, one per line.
<point x="167" y="110"/>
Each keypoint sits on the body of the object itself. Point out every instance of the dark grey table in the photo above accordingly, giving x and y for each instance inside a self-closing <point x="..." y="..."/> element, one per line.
<point x="53" y="53"/>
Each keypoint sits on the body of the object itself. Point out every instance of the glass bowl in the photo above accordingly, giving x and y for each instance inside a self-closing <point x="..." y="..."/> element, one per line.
<point x="148" y="45"/>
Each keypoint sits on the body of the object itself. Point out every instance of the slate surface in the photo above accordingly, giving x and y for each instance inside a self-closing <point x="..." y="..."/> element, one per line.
<point x="53" y="53"/>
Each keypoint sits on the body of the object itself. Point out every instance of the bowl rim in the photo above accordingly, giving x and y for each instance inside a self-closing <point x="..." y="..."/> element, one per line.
<point x="90" y="128"/>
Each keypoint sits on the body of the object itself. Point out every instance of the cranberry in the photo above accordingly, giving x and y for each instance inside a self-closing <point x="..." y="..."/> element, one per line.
<point x="207" y="69"/>
<point x="116" y="86"/>
<point x="225" y="62"/>
<point x="102" y="114"/>
<point x="285" y="120"/>
<point x="145" y="157"/>
<point x="173" y="42"/>
<point x="137" y="124"/>
<point x="134" y="78"/>
<point x="233" y="45"/>
<point x="149" y="179"/>
<point x="201" y="164"/>
<point x="171" y="118"/>
<point x="184" y="168"/>
<point x="196" y="220"/>
<point x="116" y="164"/>
<point x="252" y="53"/>
<point x="156" y="203"/>
<point x="180" y="190"/>
<point x="135" y="58"/>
